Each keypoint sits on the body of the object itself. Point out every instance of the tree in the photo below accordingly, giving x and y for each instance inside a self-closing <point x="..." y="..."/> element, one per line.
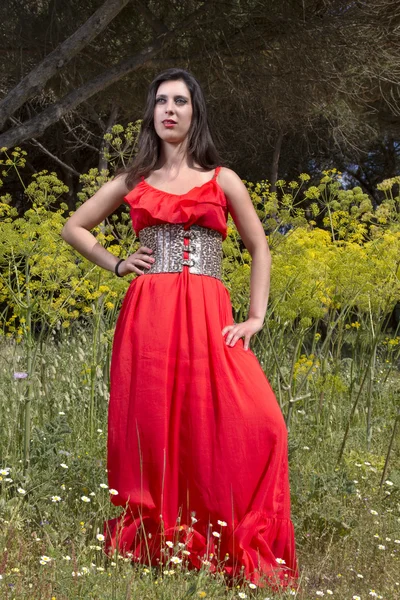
<point x="290" y="85"/>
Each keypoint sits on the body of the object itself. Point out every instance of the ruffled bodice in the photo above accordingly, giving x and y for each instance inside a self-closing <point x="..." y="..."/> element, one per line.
<point x="203" y="205"/>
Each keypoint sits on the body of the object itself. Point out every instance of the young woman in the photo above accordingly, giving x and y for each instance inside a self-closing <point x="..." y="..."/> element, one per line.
<point x="197" y="444"/>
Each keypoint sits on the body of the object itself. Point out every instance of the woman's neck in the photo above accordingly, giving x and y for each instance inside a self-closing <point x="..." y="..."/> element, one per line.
<point x="173" y="157"/>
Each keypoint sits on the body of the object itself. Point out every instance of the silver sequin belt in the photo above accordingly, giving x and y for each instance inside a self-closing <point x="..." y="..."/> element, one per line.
<point x="199" y="248"/>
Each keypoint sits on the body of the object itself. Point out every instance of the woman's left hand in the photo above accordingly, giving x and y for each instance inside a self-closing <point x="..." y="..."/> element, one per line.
<point x="239" y="330"/>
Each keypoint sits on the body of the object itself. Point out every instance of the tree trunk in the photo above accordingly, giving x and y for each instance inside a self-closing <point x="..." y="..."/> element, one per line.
<point x="275" y="160"/>
<point x="103" y="162"/>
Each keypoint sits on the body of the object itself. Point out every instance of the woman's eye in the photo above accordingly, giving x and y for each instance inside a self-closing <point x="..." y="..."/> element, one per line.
<point x="158" y="100"/>
<point x="180" y="101"/>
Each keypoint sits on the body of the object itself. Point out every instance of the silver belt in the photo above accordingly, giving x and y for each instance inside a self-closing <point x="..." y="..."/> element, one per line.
<point x="168" y="244"/>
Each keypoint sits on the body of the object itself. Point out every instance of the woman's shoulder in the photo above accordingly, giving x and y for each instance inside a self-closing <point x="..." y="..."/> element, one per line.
<point x="228" y="180"/>
<point x="127" y="183"/>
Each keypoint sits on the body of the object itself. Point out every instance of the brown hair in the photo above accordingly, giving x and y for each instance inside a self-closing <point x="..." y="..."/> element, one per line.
<point x="201" y="147"/>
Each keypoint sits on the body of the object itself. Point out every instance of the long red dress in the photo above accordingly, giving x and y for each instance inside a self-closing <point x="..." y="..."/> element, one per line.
<point x="197" y="444"/>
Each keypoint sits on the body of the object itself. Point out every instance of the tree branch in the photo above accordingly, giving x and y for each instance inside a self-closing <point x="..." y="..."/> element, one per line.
<point x="38" y="124"/>
<point x="35" y="80"/>
<point x="52" y="156"/>
<point x="157" y="26"/>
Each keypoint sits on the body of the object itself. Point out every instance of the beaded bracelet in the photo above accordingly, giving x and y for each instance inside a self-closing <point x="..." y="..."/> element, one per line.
<point x="116" y="268"/>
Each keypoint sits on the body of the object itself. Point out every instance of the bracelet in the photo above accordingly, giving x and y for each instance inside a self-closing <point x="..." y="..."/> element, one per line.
<point x="116" y="268"/>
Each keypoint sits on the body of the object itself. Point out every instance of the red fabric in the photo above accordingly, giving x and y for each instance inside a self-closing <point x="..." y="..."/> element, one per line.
<point x="195" y="434"/>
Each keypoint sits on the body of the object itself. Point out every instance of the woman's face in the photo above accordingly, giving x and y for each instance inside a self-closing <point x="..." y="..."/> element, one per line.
<point x="173" y="111"/>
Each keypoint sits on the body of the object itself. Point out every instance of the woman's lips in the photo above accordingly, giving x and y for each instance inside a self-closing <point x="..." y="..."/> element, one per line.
<point x="169" y="124"/>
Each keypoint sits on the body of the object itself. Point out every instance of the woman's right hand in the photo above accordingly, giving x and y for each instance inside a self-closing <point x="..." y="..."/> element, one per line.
<point x="138" y="262"/>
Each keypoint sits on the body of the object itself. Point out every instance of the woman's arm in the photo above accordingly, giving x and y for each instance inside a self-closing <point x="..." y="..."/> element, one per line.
<point x="76" y="230"/>
<point x="252" y="233"/>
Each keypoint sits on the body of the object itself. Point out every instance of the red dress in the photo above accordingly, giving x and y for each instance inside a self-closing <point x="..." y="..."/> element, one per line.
<point x="197" y="444"/>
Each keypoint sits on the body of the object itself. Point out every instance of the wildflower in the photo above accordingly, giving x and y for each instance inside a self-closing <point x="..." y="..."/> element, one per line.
<point x="21" y="491"/>
<point x="176" y="560"/>
<point x="99" y="569"/>
<point x="397" y="541"/>
<point x="44" y="560"/>
<point x="99" y="431"/>
<point x="64" y="466"/>
<point x="92" y="494"/>
<point x="216" y="534"/>
<point x="66" y="557"/>
<point x="206" y="562"/>
<point x="329" y="592"/>
<point x="222" y="523"/>
<point x="356" y="598"/>
<point x="85" y="499"/>
<point x="104" y="486"/>
<point x="5" y="471"/>
<point x="388" y="482"/>
<point x="360" y="576"/>
<point x="242" y="595"/>
<point x="113" y="492"/>
<point x="55" y="499"/>
<point x="252" y="586"/>
<point x="193" y="519"/>
<point x="169" y="544"/>
<point x="306" y="447"/>
<point x="186" y="552"/>
<point x="319" y="593"/>
<point x="20" y="375"/>
<point x="100" y="537"/>
<point x="201" y="594"/>
<point x="381" y="547"/>
<point x="373" y="593"/>
<point x="280" y="561"/>
<point x="373" y="512"/>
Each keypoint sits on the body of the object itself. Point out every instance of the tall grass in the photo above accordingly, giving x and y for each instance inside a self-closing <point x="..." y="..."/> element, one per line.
<point x="330" y="348"/>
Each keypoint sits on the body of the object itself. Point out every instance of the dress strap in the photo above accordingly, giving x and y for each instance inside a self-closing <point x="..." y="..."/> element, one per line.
<point x="217" y="170"/>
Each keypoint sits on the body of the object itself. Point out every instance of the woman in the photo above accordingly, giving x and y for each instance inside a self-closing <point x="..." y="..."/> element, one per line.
<point x="197" y="445"/>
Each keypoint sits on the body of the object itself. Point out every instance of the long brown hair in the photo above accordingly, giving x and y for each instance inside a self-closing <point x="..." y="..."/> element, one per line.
<point x="201" y="147"/>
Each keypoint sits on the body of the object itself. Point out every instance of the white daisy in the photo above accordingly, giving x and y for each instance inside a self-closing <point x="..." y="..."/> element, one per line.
<point x="176" y="560"/>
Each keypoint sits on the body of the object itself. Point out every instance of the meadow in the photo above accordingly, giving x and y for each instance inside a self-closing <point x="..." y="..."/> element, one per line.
<point x="330" y="348"/>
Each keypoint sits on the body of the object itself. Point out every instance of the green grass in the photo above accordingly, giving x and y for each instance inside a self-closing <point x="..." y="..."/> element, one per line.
<point x="347" y="525"/>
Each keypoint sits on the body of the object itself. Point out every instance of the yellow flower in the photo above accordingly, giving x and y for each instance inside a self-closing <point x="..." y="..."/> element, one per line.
<point x="201" y="594"/>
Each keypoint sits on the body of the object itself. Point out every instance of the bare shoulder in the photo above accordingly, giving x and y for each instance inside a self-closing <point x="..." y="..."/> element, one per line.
<point x="119" y="183"/>
<point x="228" y="177"/>
<point x="232" y="186"/>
